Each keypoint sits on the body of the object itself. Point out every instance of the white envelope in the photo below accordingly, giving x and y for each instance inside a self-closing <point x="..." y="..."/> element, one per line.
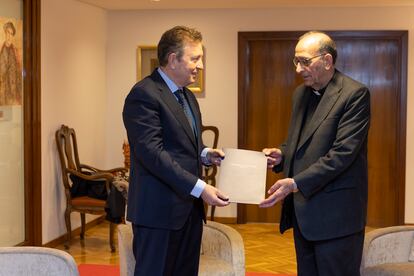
<point x="242" y="176"/>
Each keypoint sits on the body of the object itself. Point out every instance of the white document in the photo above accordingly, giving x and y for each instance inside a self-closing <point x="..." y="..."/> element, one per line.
<point x="242" y="176"/>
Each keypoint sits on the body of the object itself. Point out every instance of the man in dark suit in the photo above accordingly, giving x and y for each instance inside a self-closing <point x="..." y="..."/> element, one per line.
<point x="165" y="198"/>
<point x="325" y="162"/>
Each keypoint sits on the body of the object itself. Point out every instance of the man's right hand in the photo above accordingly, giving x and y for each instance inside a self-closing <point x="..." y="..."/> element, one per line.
<point x="214" y="197"/>
<point x="274" y="156"/>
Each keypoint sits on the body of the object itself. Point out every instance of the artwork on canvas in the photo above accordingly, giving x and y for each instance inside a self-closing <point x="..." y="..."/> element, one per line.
<point x="11" y="44"/>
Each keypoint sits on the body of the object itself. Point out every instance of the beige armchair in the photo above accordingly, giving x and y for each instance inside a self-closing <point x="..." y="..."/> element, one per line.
<point x="389" y="252"/>
<point x="222" y="252"/>
<point x="36" y="261"/>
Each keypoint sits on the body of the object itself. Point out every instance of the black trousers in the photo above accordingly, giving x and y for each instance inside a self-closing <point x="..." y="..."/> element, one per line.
<point x="335" y="257"/>
<point x="162" y="252"/>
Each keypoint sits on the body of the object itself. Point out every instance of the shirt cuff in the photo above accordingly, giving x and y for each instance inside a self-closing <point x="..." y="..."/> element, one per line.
<point x="198" y="188"/>
<point x="295" y="186"/>
<point x="203" y="156"/>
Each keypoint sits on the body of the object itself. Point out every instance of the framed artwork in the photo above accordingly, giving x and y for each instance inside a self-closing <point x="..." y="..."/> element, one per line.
<point x="6" y="113"/>
<point x="147" y="61"/>
<point x="11" y="52"/>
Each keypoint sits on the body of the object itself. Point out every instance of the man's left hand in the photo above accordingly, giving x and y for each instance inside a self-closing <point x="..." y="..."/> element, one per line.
<point x="281" y="189"/>
<point x="214" y="156"/>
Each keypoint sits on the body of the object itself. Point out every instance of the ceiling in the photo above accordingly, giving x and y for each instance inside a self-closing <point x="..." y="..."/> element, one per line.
<point x="230" y="4"/>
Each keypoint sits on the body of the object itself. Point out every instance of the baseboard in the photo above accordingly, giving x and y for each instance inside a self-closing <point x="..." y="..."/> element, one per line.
<point x="60" y="240"/>
<point x="225" y="220"/>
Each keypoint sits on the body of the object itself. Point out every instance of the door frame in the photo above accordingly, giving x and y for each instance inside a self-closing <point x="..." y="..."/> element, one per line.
<point x="31" y="121"/>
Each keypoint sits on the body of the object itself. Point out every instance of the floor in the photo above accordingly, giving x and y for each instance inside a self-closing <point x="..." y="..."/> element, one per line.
<point x="266" y="250"/>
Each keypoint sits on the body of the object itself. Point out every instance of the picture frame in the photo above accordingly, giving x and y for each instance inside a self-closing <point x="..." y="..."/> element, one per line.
<point x="147" y="61"/>
<point x="6" y="113"/>
<point x="11" y="34"/>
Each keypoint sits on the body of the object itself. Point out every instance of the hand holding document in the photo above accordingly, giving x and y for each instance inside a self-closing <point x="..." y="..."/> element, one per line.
<point x="243" y="176"/>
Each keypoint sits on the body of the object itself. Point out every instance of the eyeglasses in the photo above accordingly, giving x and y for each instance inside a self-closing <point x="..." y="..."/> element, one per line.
<point x="304" y="62"/>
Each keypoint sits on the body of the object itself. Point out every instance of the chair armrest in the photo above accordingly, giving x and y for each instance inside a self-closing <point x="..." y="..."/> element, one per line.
<point x="224" y="242"/>
<point x="94" y="176"/>
<point x="87" y="167"/>
<point x="114" y="170"/>
<point x="387" y="245"/>
<point x="108" y="177"/>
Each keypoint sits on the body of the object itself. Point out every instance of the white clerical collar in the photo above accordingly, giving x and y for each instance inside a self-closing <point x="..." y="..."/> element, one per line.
<point x="316" y="92"/>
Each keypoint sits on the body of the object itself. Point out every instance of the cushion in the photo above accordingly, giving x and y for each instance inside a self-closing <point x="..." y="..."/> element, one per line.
<point x="391" y="269"/>
<point x="210" y="265"/>
<point x="87" y="201"/>
<point x="411" y="256"/>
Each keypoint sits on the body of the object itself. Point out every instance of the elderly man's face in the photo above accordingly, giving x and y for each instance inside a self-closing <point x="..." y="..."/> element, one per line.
<point x="310" y="62"/>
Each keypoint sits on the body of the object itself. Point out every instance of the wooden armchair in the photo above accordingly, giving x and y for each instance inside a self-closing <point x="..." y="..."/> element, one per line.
<point x="70" y="165"/>
<point x="211" y="134"/>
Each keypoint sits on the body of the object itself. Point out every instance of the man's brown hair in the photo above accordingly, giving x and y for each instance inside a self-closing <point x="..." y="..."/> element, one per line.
<point x="172" y="41"/>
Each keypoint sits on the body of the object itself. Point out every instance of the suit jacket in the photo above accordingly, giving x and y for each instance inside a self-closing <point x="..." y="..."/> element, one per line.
<point x="328" y="161"/>
<point x="165" y="155"/>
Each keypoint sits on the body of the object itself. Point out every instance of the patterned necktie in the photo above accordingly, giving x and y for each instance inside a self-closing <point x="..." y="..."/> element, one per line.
<point x="186" y="108"/>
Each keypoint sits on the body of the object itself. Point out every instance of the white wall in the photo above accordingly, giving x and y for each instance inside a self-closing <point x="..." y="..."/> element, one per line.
<point x="73" y="62"/>
<point x="127" y="29"/>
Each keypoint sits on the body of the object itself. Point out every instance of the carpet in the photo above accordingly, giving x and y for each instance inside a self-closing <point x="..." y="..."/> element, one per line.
<point x="266" y="274"/>
<point x="98" y="270"/>
<point x="113" y="270"/>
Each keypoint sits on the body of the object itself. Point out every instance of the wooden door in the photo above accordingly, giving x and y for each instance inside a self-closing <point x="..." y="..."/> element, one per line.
<point x="267" y="79"/>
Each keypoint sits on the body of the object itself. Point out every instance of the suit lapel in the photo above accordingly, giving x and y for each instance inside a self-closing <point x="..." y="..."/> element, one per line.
<point x="324" y="107"/>
<point x="301" y="112"/>
<point x="298" y="114"/>
<point x="174" y="106"/>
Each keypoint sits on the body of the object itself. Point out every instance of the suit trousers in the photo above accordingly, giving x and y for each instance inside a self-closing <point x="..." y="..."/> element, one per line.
<point x="163" y="252"/>
<point x="335" y="257"/>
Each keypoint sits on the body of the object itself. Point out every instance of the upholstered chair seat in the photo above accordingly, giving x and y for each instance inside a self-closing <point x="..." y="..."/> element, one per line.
<point x="389" y="252"/>
<point x="36" y="261"/>
<point x="222" y="251"/>
<point x="394" y="269"/>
